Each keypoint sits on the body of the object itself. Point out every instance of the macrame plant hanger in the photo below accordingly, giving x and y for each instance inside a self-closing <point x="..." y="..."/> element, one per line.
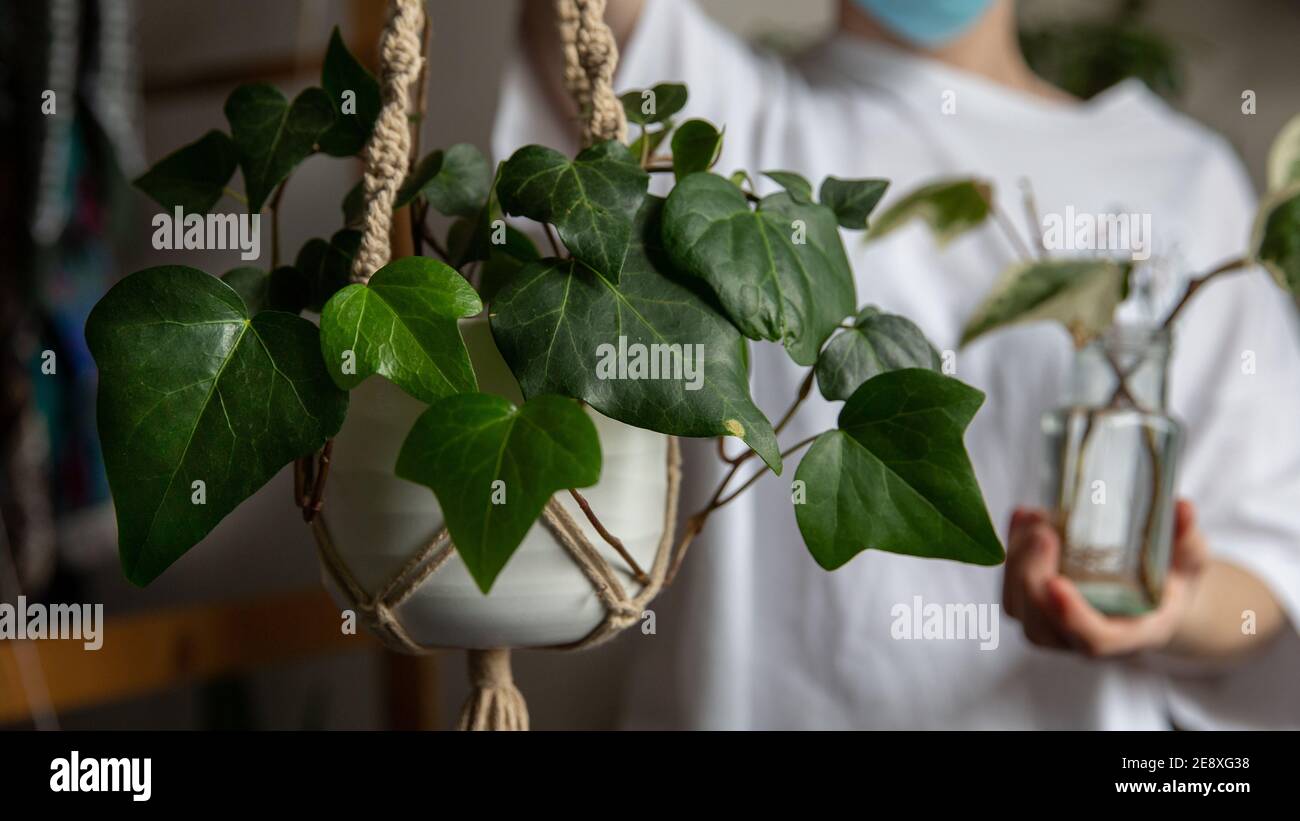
<point x="590" y="56"/>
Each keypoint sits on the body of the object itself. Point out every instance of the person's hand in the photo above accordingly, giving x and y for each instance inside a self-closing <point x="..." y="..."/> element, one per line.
<point x="1055" y="614"/>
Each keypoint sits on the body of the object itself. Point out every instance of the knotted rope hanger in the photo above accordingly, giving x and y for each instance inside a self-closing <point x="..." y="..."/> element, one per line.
<point x="389" y="148"/>
<point x="591" y="55"/>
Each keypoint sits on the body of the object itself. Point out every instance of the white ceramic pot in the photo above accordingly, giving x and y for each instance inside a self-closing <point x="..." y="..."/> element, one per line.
<point x="541" y="598"/>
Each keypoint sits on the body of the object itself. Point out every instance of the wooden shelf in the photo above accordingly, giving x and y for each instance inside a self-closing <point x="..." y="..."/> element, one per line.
<point x="153" y="651"/>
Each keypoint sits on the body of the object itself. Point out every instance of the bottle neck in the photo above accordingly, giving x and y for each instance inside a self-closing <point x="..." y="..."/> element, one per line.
<point x="1139" y="354"/>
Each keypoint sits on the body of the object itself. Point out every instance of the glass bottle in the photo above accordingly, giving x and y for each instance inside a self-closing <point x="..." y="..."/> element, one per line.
<point x="1111" y="453"/>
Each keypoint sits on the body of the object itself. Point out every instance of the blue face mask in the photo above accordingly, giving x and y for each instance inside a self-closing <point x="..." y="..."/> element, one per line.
<point x="925" y="23"/>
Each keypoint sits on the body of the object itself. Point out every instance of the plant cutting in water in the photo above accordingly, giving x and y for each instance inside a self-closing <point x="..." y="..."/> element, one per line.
<point x="1082" y="294"/>
<point x="210" y="385"/>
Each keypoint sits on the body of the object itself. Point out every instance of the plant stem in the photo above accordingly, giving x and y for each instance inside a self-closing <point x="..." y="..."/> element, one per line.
<point x="645" y="147"/>
<point x="758" y="474"/>
<point x="275" y="224"/>
<point x="421" y="103"/>
<point x="425" y="231"/>
<point x="1012" y="235"/>
<point x="419" y="231"/>
<point x="1031" y="211"/>
<point x="722" y="452"/>
<point x="695" y="523"/>
<point x="420" y="209"/>
<point x="315" y="503"/>
<point x="1196" y="284"/>
<point x="235" y="195"/>
<point x="805" y="388"/>
<point x="550" y="237"/>
<point x="610" y="538"/>
<point x="659" y="168"/>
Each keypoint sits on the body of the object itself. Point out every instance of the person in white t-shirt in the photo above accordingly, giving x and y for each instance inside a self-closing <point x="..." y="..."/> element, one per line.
<point x="754" y="634"/>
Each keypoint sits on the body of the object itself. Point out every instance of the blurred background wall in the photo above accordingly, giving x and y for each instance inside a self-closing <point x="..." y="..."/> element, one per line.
<point x="193" y="52"/>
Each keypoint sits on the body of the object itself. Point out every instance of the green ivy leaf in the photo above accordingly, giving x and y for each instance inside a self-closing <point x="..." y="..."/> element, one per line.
<point x="193" y="390"/>
<point x="505" y="261"/>
<point x="780" y="271"/>
<point x="455" y="181"/>
<point x="553" y="318"/>
<point x="1277" y="237"/>
<point x="661" y="102"/>
<point x="402" y="325"/>
<point x="475" y="238"/>
<point x="192" y="177"/>
<point x="272" y="136"/>
<point x="327" y="266"/>
<point x="341" y="73"/>
<point x="493" y="467"/>
<point x="284" y="289"/>
<point x="591" y="200"/>
<point x="949" y="207"/>
<point x="1081" y="294"/>
<point x="852" y="200"/>
<point x="1284" y="157"/>
<point x="795" y="185"/>
<point x="655" y="138"/>
<point x="354" y="205"/>
<point x="696" y="146"/>
<point x="895" y="475"/>
<point x="877" y="342"/>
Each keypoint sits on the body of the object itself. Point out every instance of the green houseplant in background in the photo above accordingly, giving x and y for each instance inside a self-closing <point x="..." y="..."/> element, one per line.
<point x="1086" y="57"/>
<point x="1114" y="431"/>
<point x="210" y="385"/>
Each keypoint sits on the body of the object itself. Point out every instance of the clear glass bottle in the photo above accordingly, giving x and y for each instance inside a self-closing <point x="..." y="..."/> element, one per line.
<point x="1111" y="454"/>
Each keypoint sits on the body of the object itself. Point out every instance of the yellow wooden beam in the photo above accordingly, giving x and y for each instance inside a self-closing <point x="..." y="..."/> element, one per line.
<point x="153" y="651"/>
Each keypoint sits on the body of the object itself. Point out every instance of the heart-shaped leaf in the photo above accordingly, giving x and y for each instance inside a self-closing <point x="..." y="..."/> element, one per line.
<point x="193" y="176"/>
<point x="327" y="266"/>
<point x="493" y="467"/>
<point x="949" y="207"/>
<point x="852" y="200"/>
<point x="402" y="325"/>
<point x="284" y="289"/>
<point x="654" y="105"/>
<point x="876" y="343"/>
<point x="696" y="145"/>
<point x="354" y="205"/>
<point x="1081" y="294"/>
<point x="272" y="136"/>
<point x="199" y="406"/>
<point x="591" y="200"/>
<point x="780" y="271"/>
<point x="1277" y="237"/>
<point x="349" y="86"/>
<point x="505" y="261"/>
<point x="475" y="238"/>
<point x="649" y="351"/>
<point x="1284" y="156"/>
<point x="648" y="142"/>
<point x="895" y="475"/>
<point x="455" y="181"/>
<point x="795" y="185"/>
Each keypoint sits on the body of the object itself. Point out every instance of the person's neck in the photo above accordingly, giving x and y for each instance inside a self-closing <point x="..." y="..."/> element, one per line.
<point x="989" y="49"/>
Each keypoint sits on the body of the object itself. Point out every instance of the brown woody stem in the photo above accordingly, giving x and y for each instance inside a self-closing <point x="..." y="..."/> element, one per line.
<point x="610" y="538"/>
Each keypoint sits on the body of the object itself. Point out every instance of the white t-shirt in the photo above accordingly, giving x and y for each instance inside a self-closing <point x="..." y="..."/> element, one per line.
<point x="755" y="634"/>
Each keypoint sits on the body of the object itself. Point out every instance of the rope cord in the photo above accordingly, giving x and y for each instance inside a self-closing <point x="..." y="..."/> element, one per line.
<point x="622" y="609"/>
<point x="590" y="57"/>
<point x="389" y="148"/>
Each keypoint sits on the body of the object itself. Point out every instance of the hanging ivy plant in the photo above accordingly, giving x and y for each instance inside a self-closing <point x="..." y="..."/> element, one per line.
<point x="218" y="383"/>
